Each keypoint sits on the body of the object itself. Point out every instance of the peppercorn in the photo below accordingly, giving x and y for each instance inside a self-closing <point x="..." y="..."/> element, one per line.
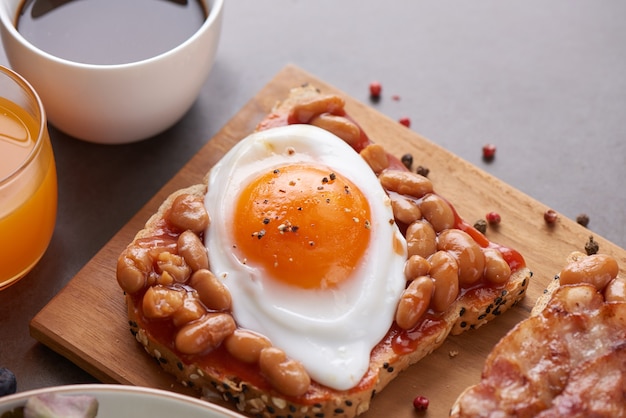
<point x="550" y="216"/>
<point x="489" y="152"/>
<point x="422" y="171"/>
<point x="583" y="219"/>
<point x="591" y="247"/>
<point x="375" y="90"/>
<point x="420" y="403"/>
<point x="407" y="160"/>
<point x="493" y="218"/>
<point x="405" y="121"/>
<point x="481" y="225"/>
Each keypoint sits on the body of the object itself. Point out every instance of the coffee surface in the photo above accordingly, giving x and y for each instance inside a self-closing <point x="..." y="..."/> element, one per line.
<point x="109" y="31"/>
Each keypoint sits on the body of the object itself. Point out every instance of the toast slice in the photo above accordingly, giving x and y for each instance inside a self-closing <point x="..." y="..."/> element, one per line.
<point x="157" y="264"/>
<point x="568" y="359"/>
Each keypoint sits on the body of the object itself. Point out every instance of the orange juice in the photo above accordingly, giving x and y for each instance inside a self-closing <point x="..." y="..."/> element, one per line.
<point x="28" y="192"/>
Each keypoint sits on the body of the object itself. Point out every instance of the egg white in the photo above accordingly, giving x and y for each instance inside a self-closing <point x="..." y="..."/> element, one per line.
<point x="331" y="332"/>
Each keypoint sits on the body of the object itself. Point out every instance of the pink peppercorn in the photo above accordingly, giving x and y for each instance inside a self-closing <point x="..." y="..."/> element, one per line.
<point x="489" y="151"/>
<point x="550" y="216"/>
<point x="493" y="217"/>
<point x="405" y="121"/>
<point x="420" y="403"/>
<point x="375" y="89"/>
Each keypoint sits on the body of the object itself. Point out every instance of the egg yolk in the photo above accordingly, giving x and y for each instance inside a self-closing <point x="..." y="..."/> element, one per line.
<point x="303" y="225"/>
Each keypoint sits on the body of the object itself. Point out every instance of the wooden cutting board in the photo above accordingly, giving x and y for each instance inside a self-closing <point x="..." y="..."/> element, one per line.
<point x="86" y="322"/>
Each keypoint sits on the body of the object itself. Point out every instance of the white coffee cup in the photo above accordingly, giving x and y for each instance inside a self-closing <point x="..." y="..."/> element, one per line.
<point x="116" y="103"/>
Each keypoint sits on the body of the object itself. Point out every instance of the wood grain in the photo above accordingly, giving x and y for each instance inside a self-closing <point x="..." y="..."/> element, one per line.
<point x="86" y="322"/>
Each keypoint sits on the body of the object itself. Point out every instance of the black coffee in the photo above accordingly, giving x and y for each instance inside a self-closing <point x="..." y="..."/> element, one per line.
<point x="109" y="31"/>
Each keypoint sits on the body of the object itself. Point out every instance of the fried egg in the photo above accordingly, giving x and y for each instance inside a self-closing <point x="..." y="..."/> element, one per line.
<point x="302" y="234"/>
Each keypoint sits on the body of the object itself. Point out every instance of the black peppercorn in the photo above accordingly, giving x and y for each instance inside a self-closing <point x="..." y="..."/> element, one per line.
<point x="481" y="225"/>
<point x="407" y="160"/>
<point x="583" y="219"/>
<point x="423" y="171"/>
<point x="591" y="247"/>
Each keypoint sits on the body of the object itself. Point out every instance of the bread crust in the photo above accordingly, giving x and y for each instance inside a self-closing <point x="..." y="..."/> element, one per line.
<point x="471" y="310"/>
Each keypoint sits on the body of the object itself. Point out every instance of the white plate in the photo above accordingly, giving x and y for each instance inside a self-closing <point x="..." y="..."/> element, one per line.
<point x="120" y="401"/>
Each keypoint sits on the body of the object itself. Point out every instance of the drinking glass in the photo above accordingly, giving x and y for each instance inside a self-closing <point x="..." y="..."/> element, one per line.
<point x="28" y="181"/>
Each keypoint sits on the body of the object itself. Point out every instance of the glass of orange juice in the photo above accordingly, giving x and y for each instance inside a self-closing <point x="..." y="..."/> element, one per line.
<point x="28" y="182"/>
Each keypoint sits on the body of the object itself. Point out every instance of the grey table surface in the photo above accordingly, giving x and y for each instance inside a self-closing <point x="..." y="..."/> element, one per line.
<point x="543" y="80"/>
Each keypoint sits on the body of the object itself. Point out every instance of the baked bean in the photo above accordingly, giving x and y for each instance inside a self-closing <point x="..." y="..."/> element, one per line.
<point x="191" y="310"/>
<point x="497" y="270"/>
<point x="191" y="248"/>
<point x="133" y="267"/>
<point x="615" y="291"/>
<point x="421" y="239"/>
<point x="405" y="182"/>
<point x="305" y="110"/>
<point x="596" y="269"/>
<point x="445" y="273"/>
<point x="405" y="210"/>
<point x="286" y="375"/>
<point x="161" y="301"/>
<point x="376" y="157"/>
<point x="416" y="266"/>
<point x="414" y="302"/>
<point x="338" y="125"/>
<point x="468" y="254"/>
<point x="246" y="345"/>
<point x="438" y="212"/>
<point x="204" y="334"/>
<point x="188" y="212"/>
<point x="583" y="297"/>
<point x="211" y="291"/>
<point x="172" y="267"/>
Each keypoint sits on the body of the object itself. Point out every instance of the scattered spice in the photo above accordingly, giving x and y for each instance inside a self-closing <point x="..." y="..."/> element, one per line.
<point x="420" y="403"/>
<point x="395" y="97"/>
<point x="591" y="247"/>
<point x="332" y="176"/>
<point x="583" y="219"/>
<point x="375" y="90"/>
<point x="489" y="152"/>
<point x="407" y="160"/>
<point x="481" y="226"/>
<point x="287" y="227"/>
<point x="422" y="171"/>
<point x="406" y="121"/>
<point x="550" y="216"/>
<point x="493" y="218"/>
